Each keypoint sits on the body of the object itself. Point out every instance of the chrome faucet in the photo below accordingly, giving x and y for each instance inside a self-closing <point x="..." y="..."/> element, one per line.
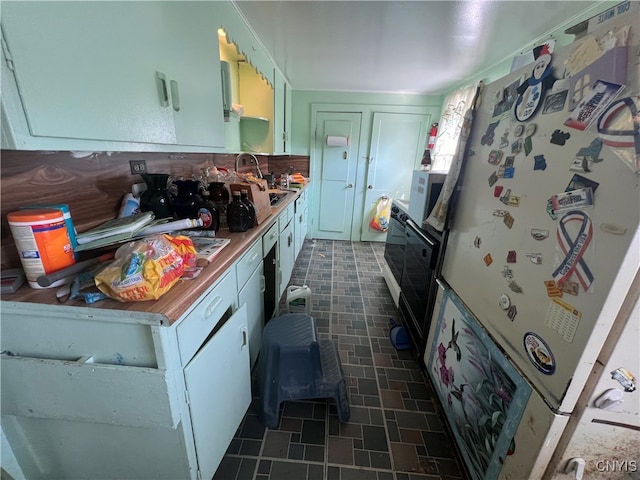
<point x="255" y="159"/>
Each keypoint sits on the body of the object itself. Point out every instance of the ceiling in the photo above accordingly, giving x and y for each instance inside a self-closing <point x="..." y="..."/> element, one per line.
<point x="420" y="47"/>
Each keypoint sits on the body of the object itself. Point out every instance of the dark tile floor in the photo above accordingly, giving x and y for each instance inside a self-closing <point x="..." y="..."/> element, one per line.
<point x="395" y="432"/>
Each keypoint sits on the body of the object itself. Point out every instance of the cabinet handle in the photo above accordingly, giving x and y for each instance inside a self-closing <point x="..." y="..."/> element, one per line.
<point x="253" y="257"/>
<point x="263" y="284"/>
<point x="244" y="337"/>
<point x="175" y="96"/>
<point x="350" y="185"/>
<point x="212" y="306"/>
<point x="161" y="82"/>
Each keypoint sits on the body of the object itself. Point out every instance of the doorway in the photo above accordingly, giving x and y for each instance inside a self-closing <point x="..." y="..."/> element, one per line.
<point x="397" y="145"/>
<point x="335" y="168"/>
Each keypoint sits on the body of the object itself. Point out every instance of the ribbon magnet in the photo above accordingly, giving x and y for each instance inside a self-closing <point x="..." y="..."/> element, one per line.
<point x="574" y="247"/>
<point x="619" y="128"/>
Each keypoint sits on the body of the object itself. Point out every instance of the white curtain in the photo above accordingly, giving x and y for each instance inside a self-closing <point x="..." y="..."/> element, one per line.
<point x="438" y="217"/>
<point x="455" y="106"/>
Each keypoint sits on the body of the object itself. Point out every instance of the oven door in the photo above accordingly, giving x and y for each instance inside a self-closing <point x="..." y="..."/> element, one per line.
<point x="418" y="285"/>
<point x="394" y="248"/>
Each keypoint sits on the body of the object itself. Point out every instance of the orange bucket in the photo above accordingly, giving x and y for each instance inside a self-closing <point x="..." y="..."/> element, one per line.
<point x="42" y="240"/>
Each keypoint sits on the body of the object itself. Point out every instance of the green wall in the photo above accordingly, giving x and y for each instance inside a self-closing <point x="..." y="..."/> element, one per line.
<point x="302" y="100"/>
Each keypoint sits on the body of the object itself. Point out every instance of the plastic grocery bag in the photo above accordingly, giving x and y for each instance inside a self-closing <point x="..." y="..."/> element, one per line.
<point x="142" y="270"/>
<point x="381" y="214"/>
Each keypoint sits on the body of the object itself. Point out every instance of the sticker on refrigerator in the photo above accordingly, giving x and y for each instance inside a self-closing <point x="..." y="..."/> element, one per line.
<point x="563" y="318"/>
<point x="539" y="353"/>
<point x="624" y="378"/>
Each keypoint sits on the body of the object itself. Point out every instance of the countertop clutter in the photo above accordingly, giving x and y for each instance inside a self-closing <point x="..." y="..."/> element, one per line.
<point x="176" y="301"/>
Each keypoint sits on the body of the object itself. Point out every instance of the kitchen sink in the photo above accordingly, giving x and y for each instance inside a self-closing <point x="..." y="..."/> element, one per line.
<point x="277" y="196"/>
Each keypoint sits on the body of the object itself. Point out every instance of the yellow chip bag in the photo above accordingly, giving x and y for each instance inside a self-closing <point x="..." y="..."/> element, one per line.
<point x="143" y="270"/>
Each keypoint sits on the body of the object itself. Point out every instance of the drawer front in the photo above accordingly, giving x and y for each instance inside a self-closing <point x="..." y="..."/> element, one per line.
<point x="269" y="239"/>
<point x="248" y="263"/>
<point x="286" y="216"/>
<point x="84" y="391"/>
<point x="301" y="202"/>
<point x="193" y="329"/>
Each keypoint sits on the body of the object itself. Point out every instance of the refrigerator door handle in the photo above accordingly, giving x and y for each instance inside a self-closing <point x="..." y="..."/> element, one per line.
<point x="575" y="465"/>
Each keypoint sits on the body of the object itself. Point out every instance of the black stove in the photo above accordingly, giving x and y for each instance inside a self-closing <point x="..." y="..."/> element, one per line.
<point x="395" y="243"/>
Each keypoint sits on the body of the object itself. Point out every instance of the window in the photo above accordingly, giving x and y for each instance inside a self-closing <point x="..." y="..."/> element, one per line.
<point x="455" y="106"/>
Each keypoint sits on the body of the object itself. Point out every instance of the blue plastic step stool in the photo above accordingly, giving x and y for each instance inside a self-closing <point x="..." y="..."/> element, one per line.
<point x="295" y="365"/>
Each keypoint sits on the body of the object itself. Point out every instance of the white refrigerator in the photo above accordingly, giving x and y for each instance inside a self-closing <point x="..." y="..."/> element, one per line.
<point x="540" y="263"/>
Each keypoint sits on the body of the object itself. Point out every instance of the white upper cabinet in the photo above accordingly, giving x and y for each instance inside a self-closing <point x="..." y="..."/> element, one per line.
<point x="144" y="72"/>
<point x="281" y="114"/>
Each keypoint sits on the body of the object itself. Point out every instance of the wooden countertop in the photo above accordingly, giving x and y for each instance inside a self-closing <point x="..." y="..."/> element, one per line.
<point x="181" y="296"/>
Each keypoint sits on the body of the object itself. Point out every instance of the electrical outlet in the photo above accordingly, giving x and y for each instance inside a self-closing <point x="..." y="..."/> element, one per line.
<point x="138" y="166"/>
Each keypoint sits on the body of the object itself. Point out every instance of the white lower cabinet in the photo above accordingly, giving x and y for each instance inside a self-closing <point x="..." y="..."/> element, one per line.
<point x="219" y="391"/>
<point x="286" y="249"/>
<point x="251" y="296"/>
<point x="165" y="408"/>
<point x="301" y="222"/>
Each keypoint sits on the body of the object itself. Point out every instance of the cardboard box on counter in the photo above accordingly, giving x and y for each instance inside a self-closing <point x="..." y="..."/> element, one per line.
<point x="258" y="193"/>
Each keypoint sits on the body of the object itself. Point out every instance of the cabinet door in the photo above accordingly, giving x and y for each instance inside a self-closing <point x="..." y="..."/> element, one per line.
<point x="88" y="69"/>
<point x="252" y="295"/>
<point x="301" y="229"/>
<point x="219" y="385"/>
<point x="279" y="113"/>
<point x="286" y="247"/>
<point x="192" y="65"/>
<point x="397" y="145"/>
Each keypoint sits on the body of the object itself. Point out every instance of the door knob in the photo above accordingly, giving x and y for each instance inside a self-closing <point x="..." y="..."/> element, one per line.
<point x="370" y="187"/>
<point x="350" y="185"/>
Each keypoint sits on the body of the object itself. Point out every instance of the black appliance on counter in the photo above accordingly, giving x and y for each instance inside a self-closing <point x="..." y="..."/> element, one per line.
<point x="418" y="286"/>
<point x="395" y="242"/>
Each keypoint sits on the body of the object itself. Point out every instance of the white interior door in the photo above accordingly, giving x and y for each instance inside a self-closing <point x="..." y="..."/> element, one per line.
<point x="397" y="144"/>
<point x="336" y="170"/>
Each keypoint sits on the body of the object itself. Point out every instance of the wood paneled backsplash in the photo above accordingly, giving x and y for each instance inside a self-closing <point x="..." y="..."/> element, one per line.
<point x="93" y="183"/>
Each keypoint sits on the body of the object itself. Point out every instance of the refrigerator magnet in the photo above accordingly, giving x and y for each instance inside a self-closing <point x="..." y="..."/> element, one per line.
<point x="531" y="129"/>
<point x="558" y="137"/>
<point x="580" y="164"/>
<point x="515" y="287"/>
<point x="487" y="138"/>
<point x="512" y="311"/>
<point x="578" y="182"/>
<point x="497" y="190"/>
<point x="572" y="288"/>
<point x="507" y="272"/>
<point x="495" y="157"/>
<point x="519" y="130"/>
<point x="539" y="233"/>
<point x="625" y="378"/>
<point x="504" y="140"/>
<point x="493" y="179"/>
<point x="528" y="146"/>
<point x="539" y="353"/>
<point x="592" y="152"/>
<point x="614" y="229"/>
<point x="516" y="147"/>
<point x="508" y="220"/>
<point x="532" y="90"/>
<point x="552" y="289"/>
<point x="535" y="258"/>
<point x="488" y="260"/>
<point x="504" y="301"/>
<point x="511" y="256"/>
<point x="539" y="162"/>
